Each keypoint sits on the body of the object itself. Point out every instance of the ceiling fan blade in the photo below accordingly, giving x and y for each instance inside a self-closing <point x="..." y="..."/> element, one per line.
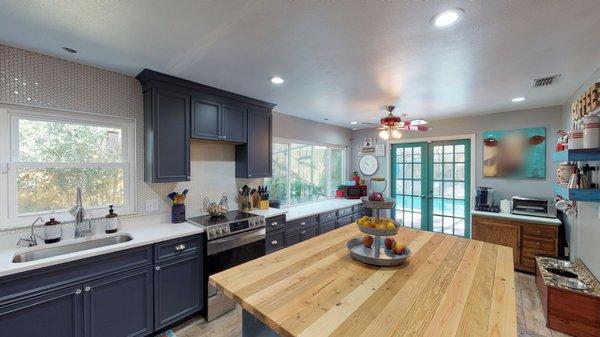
<point x="415" y="128"/>
<point x="368" y="123"/>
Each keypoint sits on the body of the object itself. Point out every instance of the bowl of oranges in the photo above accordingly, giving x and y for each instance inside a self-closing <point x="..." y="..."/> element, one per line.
<point x="378" y="226"/>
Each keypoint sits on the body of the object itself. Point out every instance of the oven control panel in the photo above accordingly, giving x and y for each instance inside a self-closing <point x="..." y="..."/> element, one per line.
<point x="226" y="229"/>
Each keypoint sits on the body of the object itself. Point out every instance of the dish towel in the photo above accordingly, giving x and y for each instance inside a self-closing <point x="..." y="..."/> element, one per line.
<point x="168" y="333"/>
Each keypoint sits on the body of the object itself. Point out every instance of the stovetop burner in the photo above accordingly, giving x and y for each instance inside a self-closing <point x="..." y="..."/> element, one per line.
<point x="232" y="222"/>
<point x="231" y="216"/>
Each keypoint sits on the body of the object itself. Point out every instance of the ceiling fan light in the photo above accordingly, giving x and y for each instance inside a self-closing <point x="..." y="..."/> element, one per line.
<point x="396" y="134"/>
<point x="418" y="122"/>
<point x="384" y="134"/>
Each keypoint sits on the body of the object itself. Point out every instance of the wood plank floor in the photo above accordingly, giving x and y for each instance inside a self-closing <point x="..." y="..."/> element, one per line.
<point x="530" y="317"/>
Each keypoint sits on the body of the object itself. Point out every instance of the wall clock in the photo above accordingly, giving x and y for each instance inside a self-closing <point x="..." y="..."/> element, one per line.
<point x="368" y="164"/>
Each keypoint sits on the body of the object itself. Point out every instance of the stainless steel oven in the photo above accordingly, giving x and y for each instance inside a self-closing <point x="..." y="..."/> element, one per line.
<point x="231" y="240"/>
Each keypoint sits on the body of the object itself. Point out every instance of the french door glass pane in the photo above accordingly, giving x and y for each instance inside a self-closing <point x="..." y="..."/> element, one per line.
<point x="408" y="185"/>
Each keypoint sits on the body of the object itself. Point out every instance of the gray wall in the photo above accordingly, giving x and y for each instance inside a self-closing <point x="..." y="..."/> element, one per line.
<point x="549" y="117"/>
<point x="290" y="127"/>
<point x="584" y="230"/>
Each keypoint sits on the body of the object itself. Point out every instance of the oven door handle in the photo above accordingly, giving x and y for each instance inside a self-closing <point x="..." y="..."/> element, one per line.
<point x="220" y="245"/>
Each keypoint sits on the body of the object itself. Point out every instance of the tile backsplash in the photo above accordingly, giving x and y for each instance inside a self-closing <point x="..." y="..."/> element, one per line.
<point x="33" y="79"/>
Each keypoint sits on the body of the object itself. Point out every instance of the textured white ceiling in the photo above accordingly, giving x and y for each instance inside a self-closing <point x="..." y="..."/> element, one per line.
<point x="341" y="60"/>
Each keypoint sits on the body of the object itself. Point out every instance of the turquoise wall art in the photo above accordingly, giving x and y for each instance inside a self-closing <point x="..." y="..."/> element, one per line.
<point x="519" y="154"/>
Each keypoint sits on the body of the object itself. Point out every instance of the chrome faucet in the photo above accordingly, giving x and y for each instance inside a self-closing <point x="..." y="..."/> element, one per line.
<point x="31" y="240"/>
<point x="79" y="213"/>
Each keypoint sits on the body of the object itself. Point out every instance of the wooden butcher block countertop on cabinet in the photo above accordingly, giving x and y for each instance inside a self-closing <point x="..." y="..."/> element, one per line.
<point x="452" y="287"/>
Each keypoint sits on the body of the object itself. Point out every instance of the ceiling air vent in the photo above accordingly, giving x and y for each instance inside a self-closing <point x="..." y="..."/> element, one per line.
<point x="545" y="81"/>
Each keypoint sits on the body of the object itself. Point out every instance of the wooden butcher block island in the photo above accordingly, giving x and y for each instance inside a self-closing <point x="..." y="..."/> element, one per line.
<point x="450" y="287"/>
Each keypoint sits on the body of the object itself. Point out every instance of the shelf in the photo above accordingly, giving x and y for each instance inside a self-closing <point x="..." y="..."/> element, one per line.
<point x="586" y="194"/>
<point x="577" y="155"/>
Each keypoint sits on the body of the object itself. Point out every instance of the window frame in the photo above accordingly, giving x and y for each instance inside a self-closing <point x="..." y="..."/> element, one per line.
<point x="329" y="194"/>
<point x="9" y="152"/>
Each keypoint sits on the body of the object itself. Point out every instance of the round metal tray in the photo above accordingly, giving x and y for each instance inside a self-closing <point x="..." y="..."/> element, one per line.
<point x="387" y="203"/>
<point x="379" y="232"/>
<point x="378" y="257"/>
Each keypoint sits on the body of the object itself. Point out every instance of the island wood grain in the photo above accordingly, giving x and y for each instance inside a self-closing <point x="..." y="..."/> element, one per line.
<point x="451" y="287"/>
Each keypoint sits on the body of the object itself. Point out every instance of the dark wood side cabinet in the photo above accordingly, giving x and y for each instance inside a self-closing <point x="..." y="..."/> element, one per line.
<point x="176" y="110"/>
<point x="527" y="239"/>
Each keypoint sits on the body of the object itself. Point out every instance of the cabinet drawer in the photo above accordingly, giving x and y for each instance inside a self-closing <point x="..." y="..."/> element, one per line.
<point x="275" y="223"/>
<point x="274" y="241"/>
<point x="344" y="221"/>
<point x="301" y="223"/>
<point x="327" y="216"/>
<point x="326" y="227"/>
<point x="308" y="233"/>
<point x="344" y="211"/>
<point x="358" y="208"/>
<point x="541" y="231"/>
<point x="538" y="244"/>
<point x="168" y="249"/>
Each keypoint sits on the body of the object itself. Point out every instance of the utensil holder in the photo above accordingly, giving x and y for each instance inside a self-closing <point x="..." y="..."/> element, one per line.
<point x="178" y="213"/>
<point x="245" y="202"/>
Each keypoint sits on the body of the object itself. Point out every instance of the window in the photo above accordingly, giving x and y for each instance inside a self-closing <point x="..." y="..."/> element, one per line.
<point x="305" y="172"/>
<point x="50" y="153"/>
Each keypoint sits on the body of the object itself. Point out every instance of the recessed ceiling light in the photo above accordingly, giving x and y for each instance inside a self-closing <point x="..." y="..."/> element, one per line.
<point x="69" y="50"/>
<point x="518" y="99"/>
<point x="276" y="80"/>
<point x="354" y="129"/>
<point x="354" y="122"/>
<point x="447" y="18"/>
<point x="16" y="92"/>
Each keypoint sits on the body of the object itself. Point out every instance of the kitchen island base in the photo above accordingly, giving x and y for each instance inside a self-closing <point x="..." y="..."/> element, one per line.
<point x="253" y="327"/>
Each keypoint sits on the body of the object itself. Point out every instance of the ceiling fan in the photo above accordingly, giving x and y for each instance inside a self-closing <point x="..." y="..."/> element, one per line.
<point x="391" y="125"/>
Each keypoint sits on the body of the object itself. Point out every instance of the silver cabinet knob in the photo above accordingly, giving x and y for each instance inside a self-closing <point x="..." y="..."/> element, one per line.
<point x="157" y="267"/>
<point x="274" y="223"/>
<point x="87" y="289"/>
<point x="303" y="232"/>
<point x="303" y="223"/>
<point x="274" y="242"/>
<point x="78" y="292"/>
<point x="180" y="247"/>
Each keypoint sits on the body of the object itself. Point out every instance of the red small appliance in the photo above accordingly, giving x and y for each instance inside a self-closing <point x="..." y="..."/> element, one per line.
<point x="355" y="192"/>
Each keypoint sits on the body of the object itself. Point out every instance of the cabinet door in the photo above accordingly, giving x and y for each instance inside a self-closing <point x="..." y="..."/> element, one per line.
<point x="259" y="145"/>
<point x="233" y="124"/>
<point x="171" y="143"/>
<point x="57" y="314"/>
<point x="292" y="238"/>
<point x="119" y="305"/>
<point x="177" y="289"/>
<point x="498" y="232"/>
<point x="206" y="119"/>
<point x="274" y="241"/>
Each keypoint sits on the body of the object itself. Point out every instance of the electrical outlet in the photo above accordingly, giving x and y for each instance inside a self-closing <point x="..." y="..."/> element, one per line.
<point x="152" y="205"/>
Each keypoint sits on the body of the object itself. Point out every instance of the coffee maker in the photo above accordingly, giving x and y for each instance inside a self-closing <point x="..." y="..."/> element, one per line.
<point x="484" y="200"/>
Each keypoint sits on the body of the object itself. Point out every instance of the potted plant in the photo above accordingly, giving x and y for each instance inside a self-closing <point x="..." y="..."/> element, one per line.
<point x="356" y="178"/>
<point x="339" y="193"/>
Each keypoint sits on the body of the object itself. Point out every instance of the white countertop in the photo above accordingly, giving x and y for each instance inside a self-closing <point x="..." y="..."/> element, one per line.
<point x="301" y="211"/>
<point x="527" y="218"/>
<point x="144" y="230"/>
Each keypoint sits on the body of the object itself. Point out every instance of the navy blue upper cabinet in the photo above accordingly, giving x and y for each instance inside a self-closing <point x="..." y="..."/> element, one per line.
<point x="119" y="305"/>
<point x="167" y="135"/>
<point x="253" y="159"/>
<point x="234" y="127"/>
<point x="54" y="314"/>
<point x="206" y="119"/>
<point x="177" y="288"/>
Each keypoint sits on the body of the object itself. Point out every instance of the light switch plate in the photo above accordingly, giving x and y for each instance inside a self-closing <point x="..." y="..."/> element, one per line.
<point x="152" y="205"/>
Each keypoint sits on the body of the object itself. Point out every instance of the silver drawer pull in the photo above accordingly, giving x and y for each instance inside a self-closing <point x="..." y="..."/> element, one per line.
<point x="303" y="223"/>
<point x="274" y="223"/>
<point x="157" y="267"/>
<point x="78" y="291"/>
<point x="87" y="289"/>
<point x="274" y="242"/>
<point x="180" y="247"/>
<point x="303" y="232"/>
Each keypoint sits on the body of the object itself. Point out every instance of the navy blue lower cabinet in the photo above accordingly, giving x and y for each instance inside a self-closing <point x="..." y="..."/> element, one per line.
<point x="177" y="288"/>
<point x="119" y="305"/>
<point x="54" y="314"/>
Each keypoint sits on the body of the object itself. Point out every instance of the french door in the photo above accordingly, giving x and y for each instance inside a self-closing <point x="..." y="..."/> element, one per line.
<point x="431" y="184"/>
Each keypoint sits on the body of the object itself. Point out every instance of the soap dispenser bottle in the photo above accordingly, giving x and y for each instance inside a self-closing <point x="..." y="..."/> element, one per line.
<point x="111" y="221"/>
<point x="52" y="231"/>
